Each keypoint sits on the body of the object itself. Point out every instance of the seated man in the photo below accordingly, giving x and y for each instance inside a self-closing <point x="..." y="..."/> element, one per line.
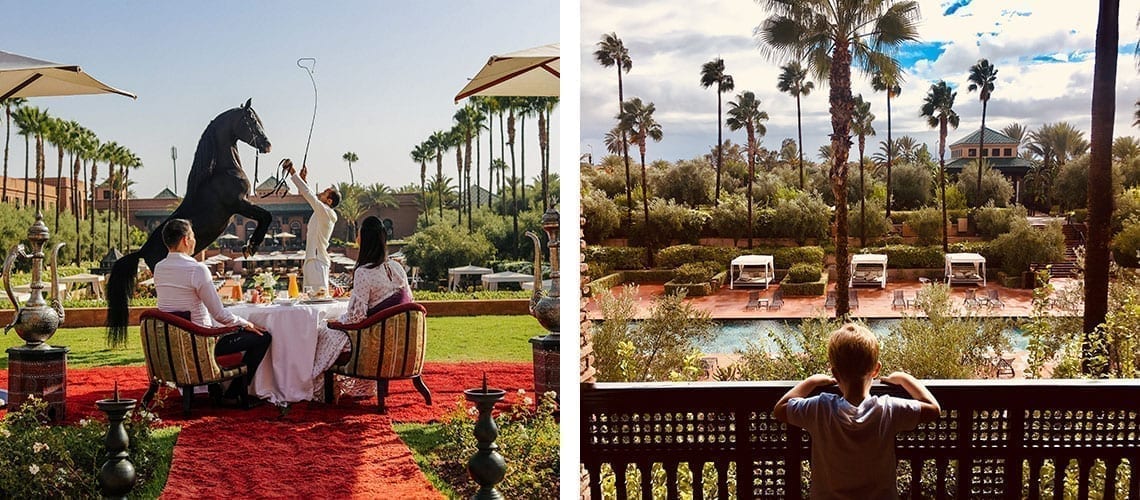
<point x="184" y="287"/>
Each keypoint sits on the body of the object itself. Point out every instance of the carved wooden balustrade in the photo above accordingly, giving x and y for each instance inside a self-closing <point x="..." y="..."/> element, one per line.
<point x="996" y="439"/>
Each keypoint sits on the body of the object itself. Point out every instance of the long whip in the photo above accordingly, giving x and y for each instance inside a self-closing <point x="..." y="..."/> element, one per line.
<point x="308" y="69"/>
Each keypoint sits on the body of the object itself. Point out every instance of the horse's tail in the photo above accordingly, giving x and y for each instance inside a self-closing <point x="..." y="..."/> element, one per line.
<point x="120" y="287"/>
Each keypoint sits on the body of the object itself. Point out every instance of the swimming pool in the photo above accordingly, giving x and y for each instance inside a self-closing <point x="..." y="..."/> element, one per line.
<point x="733" y="335"/>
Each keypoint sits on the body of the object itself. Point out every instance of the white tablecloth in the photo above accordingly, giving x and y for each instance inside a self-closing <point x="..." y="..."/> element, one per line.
<point x="285" y="375"/>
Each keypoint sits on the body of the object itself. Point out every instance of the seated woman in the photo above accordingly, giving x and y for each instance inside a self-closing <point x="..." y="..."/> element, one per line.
<point x="377" y="283"/>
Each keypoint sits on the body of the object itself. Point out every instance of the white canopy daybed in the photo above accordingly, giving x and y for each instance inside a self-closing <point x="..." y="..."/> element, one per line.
<point x="869" y="269"/>
<point x="752" y="270"/>
<point x="965" y="268"/>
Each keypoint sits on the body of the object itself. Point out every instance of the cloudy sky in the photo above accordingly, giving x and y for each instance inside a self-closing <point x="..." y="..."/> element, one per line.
<point x="1043" y="52"/>
<point x="386" y="75"/>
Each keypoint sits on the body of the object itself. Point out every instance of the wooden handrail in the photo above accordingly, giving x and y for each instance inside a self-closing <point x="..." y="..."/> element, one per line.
<point x="990" y="433"/>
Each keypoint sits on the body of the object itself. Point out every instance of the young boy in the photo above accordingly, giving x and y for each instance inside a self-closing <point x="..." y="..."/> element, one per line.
<point x="853" y="436"/>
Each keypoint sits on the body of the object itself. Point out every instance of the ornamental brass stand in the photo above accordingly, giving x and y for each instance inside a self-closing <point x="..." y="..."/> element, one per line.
<point x="486" y="466"/>
<point x="117" y="476"/>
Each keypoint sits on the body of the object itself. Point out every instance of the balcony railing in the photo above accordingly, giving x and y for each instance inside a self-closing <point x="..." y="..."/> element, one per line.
<point x="996" y="439"/>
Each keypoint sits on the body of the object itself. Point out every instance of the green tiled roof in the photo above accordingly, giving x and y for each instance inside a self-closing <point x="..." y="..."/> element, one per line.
<point x="1007" y="166"/>
<point x="992" y="137"/>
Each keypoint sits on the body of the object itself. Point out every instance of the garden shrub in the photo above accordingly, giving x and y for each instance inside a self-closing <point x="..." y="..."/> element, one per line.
<point x="659" y="348"/>
<point x="443" y="246"/>
<point x="668" y="222"/>
<point x="955" y="200"/>
<point x="696" y="272"/>
<point x="1071" y="184"/>
<point x="614" y="258"/>
<point x="688" y="183"/>
<point x="927" y="225"/>
<point x="528" y="437"/>
<point x="1126" y="243"/>
<point x="798" y="355"/>
<point x="730" y="218"/>
<point x="993" y="222"/>
<point x="804" y="217"/>
<point x="499" y="231"/>
<point x="803" y="273"/>
<point x="996" y="189"/>
<point x="1127" y="207"/>
<point x="911" y="186"/>
<point x="786" y="257"/>
<point x="612" y="183"/>
<point x="670" y="257"/>
<point x="1024" y="245"/>
<point x="766" y="188"/>
<point x="910" y="257"/>
<point x="602" y="216"/>
<point x="877" y="223"/>
<point x="809" y="289"/>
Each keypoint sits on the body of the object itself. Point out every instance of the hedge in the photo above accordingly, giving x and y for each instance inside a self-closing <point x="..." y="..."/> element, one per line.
<point x="710" y="287"/>
<point x="679" y="255"/>
<point x="910" y="257"/>
<point x="616" y="258"/>
<point x="786" y="257"/>
<point x="812" y="289"/>
<point x="804" y="273"/>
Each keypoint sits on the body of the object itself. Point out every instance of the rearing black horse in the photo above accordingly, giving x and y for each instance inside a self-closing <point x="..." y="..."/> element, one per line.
<point x="217" y="189"/>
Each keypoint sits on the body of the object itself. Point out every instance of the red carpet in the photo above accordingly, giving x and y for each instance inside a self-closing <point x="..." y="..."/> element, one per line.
<point x="315" y="451"/>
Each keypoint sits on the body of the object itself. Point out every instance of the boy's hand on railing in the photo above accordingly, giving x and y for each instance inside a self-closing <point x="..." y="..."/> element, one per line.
<point x="820" y="380"/>
<point x="896" y="378"/>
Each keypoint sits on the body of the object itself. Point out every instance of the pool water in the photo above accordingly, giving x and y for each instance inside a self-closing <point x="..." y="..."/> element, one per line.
<point x="733" y="335"/>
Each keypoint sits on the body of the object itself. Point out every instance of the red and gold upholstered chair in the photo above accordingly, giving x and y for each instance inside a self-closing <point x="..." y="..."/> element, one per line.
<point x="179" y="352"/>
<point x="386" y="345"/>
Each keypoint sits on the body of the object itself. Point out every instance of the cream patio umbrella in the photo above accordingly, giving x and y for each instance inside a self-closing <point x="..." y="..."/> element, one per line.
<point x="22" y="76"/>
<point x="530" y="72"/>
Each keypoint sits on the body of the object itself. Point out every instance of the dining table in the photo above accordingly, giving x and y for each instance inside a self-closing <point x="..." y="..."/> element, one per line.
<point x="286" y="374"/>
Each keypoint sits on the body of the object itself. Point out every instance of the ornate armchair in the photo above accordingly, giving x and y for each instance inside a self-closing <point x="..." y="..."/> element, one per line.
<point x="386" y="345"/>
<point x="182" y="353"/>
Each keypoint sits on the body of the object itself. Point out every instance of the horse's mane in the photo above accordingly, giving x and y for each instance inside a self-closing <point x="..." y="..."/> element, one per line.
<point x="206" y="158"/>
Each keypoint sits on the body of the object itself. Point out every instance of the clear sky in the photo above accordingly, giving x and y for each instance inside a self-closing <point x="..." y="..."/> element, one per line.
<point x="1043" y="51"/>
<point x="386" y="74"/>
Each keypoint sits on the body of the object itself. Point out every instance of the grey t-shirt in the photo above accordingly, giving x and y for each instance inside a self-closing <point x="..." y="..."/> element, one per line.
<point x="853" y="447"/>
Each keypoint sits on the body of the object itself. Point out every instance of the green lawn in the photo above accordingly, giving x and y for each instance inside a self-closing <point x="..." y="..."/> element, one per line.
<point x="423" y="439"/>
<point x="450" y="339"/>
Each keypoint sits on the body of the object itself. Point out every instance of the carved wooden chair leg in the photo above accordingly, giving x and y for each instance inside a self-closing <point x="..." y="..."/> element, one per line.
<point x="329" y="387"/>
<point x="418" y="381"/>
<point x="150" y="392"/>
<point x="187" y="399"/>
<point x="381" y="393"/>
<point x="215" y="393"/>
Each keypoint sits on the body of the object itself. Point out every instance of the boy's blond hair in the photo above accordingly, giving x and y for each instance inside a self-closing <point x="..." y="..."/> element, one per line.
<point x="853" y="352"/>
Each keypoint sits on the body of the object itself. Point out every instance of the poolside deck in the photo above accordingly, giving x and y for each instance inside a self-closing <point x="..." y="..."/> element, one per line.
<point x="873" y="302"/>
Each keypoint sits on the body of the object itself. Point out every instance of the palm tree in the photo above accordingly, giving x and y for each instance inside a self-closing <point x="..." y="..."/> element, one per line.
<point x="379" y="195"/>
<point x="831" y="35"/>
<point x="132" y="162"/>
<point x="545" y="110"/>
<point x="467" y="124"/>
<point x="353" y="205"/>
<point x="59" y="133"/>
<point x="9" y="103"/>
<point x="1057" y="143"/>
<point x="745" y="113"/>
<point x="889" y="83"/>
<point x="938" y="108"/>
<point x="712" y="73"/>
<point x="861" y="118"/>
<point x="982" y="78"/>
<point x="93" y="150"/>
<point x="1015" y="131"/>
<point x="793" y="81"/>
<point x="437" y="143"/>
<point x="907" y="148"/>
<point x="638" y="122"/>
<point x="110" y="152"/>
<point x="513" y="105"/>
<point x="1100" y="181"/>
<point x="422" y="153"/>
<point x="32" y="122"/>
<point x="455" y="141"/>
<point x="612" y="52"/>
<point x="351" y="158"/>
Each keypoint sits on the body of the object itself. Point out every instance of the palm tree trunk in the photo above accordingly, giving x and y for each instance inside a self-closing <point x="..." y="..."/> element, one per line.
<point x="27" y="175"/>
<point x="40" y="164"/>
<point x="800" y="138"/>
<point x="751" y="176"/>
<point x="890" y="153"/>
<point x="522" y="162"/>
<point x="514" y="180"/>
<point x="1100" y="180"/>
<point x="7" y="141"/>
<point x="942" y="181"/>
<point x="423" y="190"/>
<point x="981" y="155"/>
<point x="645" y="199"/>
<point x="862" y="197"/>
<point x="841" y="109"/>
<point x="478" y="160"/>
<point x="75" y="208"/>
<point x="91" y="210"/>
<point x="719" y="146"/>
<point x="439" y="184"/>
<point x="625" y="155"/>
<point x="58" y="185"/>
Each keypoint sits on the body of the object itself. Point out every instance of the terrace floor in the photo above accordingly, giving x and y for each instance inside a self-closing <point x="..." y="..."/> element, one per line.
<point x="873" y="302"/>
